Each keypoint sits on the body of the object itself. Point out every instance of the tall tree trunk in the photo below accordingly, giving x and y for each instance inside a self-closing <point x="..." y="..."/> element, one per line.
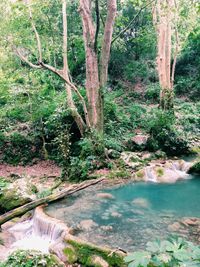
<point x="96" y="75"/>
<point x="92" y="72"/>
<point x="164" y="39"/>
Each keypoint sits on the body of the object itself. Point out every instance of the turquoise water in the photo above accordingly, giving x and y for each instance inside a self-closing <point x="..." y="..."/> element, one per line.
<point x="136" y="214"/>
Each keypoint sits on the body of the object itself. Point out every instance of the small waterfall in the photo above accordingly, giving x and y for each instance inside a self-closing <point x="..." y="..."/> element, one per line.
<point x="151" y="177"/>
<point x="172" y="171"/>
<point x="39" y="233"/>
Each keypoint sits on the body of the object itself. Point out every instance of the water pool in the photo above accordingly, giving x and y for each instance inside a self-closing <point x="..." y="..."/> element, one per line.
<point x="129" y="216"/>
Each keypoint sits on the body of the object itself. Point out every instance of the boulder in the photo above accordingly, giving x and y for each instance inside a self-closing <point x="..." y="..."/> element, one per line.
<point x="16" y="194"/>
<point x="138" y="142"/>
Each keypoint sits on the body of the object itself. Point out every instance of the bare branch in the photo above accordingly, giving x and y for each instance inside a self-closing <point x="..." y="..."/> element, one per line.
<point x="35" y="31"/>
<point x="23" y="58"/>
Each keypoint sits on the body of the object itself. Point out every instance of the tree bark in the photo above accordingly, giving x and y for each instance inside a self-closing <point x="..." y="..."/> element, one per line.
<point x="64" y="193"/>
<point x="96" y="75"/>
<point x="92" y="72"/>
<point x="162" y="19"/>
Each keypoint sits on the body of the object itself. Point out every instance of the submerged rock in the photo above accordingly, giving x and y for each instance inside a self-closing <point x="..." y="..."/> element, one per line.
<point x="190" y="221"/>
<point x="105" y="195"/>
<point x="142" y="202"/>
<point x="87" y="225"/>
<point x="106" y="227"/>
<point x="174" y="227"/>
<point x="116" y="214"/>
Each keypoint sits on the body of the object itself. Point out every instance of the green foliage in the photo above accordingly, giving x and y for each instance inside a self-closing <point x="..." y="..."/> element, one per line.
<point x="90" y="155"/>
<point x="168" y="253"/>
<point x="164" y="136"/>
<point x="18" y="149"/>
<point x="152" y="92"/>
<point x="30" y="259"/>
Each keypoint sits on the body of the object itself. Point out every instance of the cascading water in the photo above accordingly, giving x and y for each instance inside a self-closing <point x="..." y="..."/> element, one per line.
<point x="39" y="233"/>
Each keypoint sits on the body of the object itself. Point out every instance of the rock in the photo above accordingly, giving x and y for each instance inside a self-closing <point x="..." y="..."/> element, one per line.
<point x="16" y="194"/>
<point x="6" y="238"/>
<point x="142" y="202"/>
<point x="87" y="225"/>
<point x="131" y="159"/>
<point x="98" y="261"/>
<point x="190" y="221"/>
<point x="106" y="227"/>
<point x="138" y="142"/>
<point x="174" y="227"/>
<point x="116" y="214"/>
<point x="58" y="249"/>
<point x="113" y="154"/>
<point x="195" y="168"/>
<point x="105" y="195"/>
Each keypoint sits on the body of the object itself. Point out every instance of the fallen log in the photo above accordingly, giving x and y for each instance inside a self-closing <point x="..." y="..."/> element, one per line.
<point x="56" y="196"/>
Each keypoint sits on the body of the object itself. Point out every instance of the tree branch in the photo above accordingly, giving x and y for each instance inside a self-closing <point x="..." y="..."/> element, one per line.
<point x="23" y="58"/>
<point x="131" y="22"/>
<point x="36" y="32"/>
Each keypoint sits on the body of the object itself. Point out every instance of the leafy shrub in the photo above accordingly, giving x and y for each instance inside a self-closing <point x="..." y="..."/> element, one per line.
<point x="18" y="149"/>
<point x="164" y="136"/>
<point x="168" y="253"/>
<point x="30" y="259"/>
<point x="90" y="155"/>
<point x="153" y="92"/>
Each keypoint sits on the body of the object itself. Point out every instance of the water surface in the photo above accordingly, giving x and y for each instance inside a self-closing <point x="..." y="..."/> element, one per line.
<point x="138" y="213"/>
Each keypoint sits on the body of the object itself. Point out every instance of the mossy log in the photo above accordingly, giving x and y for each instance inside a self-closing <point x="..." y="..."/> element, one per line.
<point x="56" y="196"/>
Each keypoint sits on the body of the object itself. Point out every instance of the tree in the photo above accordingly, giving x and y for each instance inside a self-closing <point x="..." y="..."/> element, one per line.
<point x="174" y="20"/>
<point x="162" y="20"/>
<point x="96" y="73"/>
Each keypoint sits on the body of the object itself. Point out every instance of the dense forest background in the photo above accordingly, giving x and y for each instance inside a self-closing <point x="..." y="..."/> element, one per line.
<point x="36" y="121"/>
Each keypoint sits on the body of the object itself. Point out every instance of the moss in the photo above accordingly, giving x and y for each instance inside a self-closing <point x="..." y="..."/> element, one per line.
<point x="84" y="253"/>
<point x="140" y="174"/>
<point x="9" y="199"/>
<point x="160" y="172"/>
<point x="71" y="255"/>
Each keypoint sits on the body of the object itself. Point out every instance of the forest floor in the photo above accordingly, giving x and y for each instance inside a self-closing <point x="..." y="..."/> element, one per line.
<point x="40" y="169"/>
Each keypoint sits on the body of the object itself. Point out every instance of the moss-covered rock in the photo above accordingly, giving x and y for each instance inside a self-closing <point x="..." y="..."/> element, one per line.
<point x="15" y="194"/>
<point x="88" y="254"/>
<point x="195" y="169"/>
